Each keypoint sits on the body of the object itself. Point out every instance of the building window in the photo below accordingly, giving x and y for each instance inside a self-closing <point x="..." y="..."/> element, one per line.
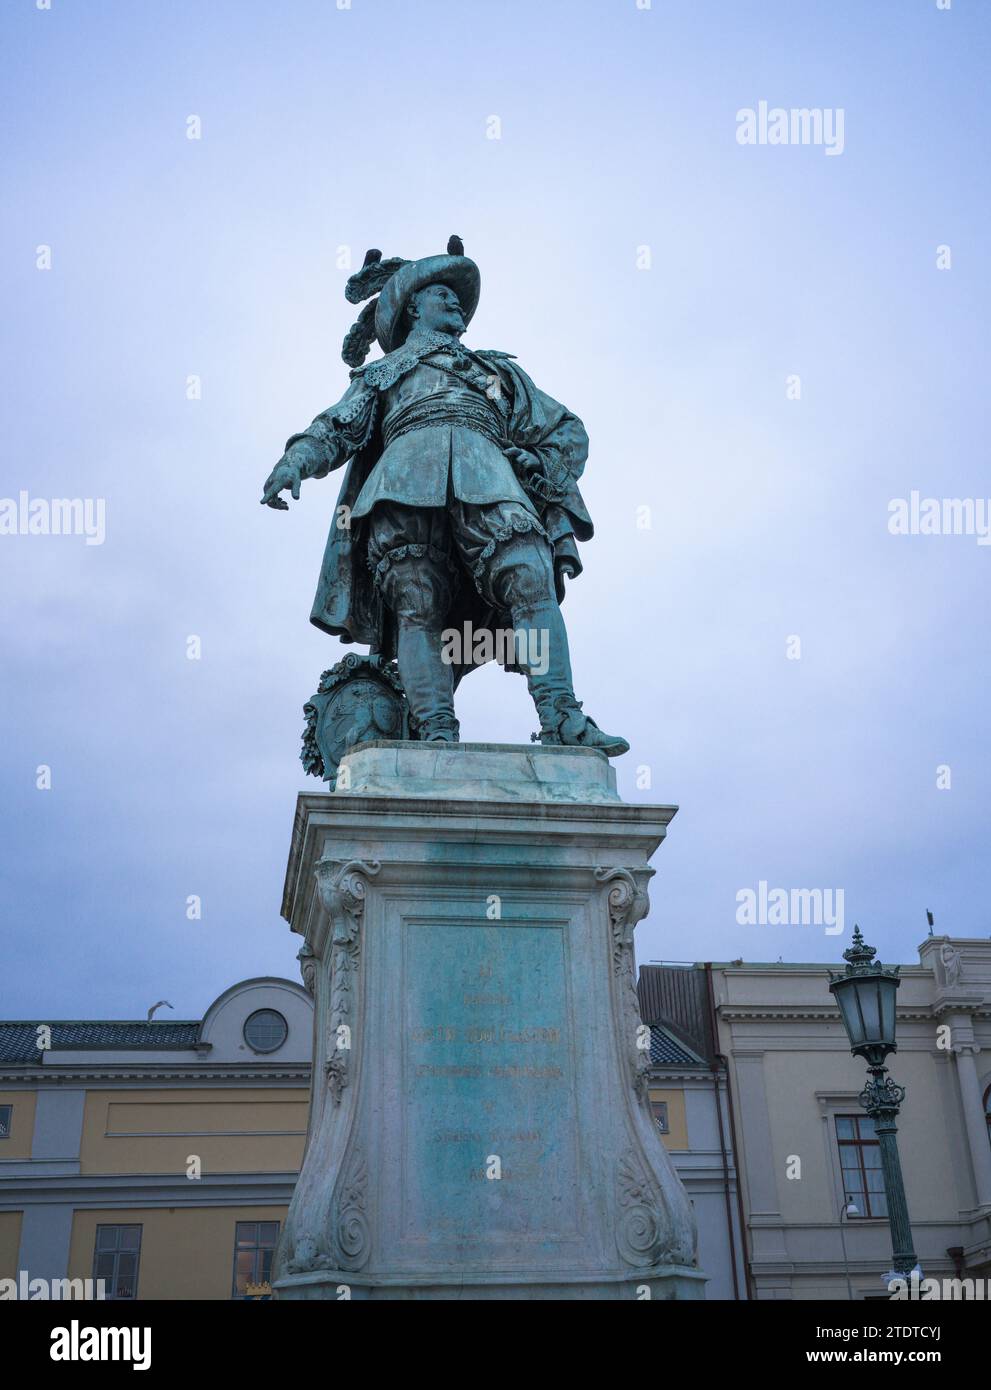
<point x="860" y="1163"/>
<point x="659" y="1110"/>
<point x="987" y="1111"/>
<point x="254" y="1246"/>
<point x="115" y="1259"/>
<point x="6" y="1115"/>
<point x="265" y="1031"/>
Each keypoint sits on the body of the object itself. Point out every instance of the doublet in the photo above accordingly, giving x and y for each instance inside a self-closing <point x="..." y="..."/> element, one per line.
<point x="444" y="437"/>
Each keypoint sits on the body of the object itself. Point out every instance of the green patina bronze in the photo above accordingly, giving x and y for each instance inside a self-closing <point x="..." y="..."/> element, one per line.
<point x="459" y="510"/>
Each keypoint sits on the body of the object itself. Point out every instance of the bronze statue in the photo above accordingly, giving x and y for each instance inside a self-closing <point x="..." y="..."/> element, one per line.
<point x="460" y="510"/>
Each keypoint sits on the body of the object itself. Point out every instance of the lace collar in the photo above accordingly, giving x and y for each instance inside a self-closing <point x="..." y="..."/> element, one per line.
<point x="388" y="370"/>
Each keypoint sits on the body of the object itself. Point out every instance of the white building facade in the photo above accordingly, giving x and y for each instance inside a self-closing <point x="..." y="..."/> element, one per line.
<point x="809" y="1165"/>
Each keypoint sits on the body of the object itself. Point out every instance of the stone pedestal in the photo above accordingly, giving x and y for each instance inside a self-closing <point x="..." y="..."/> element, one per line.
<point x="480" y="1125"/>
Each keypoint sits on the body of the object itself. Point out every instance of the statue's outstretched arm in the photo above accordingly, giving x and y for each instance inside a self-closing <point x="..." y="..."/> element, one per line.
<point x="324" y="445"/>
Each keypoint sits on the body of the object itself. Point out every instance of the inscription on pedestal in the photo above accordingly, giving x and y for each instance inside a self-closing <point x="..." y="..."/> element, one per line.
<point x="489" y="1086"/>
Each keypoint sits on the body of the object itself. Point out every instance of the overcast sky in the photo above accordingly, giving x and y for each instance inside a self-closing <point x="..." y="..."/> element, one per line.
<point x="661" y="278"/>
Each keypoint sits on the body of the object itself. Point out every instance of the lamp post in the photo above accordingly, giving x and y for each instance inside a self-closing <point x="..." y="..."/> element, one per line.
<point x="865" y="993"/>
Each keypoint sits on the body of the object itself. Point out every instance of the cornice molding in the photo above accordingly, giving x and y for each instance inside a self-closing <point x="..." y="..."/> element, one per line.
<point x="132" y="1190"/>
<point x="829" y="1100"/>
<point x="811" y="1013"/>
<point x="658" y="1074"/>
<point x="32" y="1076"/>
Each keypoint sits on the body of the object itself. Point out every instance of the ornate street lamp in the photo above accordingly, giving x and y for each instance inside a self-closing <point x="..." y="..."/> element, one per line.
<point x="866" y="996"/>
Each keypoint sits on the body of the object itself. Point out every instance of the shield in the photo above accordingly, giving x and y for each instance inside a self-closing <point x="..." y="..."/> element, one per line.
<point x="358" y="700"/>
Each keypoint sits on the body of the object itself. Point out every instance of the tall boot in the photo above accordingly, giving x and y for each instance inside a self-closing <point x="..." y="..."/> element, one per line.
<point x="561" y="717"/>
<point x="428" y="682"/>
<point x="418" y="590"/>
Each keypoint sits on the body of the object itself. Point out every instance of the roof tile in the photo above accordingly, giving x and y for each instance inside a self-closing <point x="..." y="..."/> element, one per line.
<point x="19" y="1041"/>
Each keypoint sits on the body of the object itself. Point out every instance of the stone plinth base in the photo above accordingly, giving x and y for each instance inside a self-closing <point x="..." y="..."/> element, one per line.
<point x="480" y="1125"/>
<point x="665" y="1284"/>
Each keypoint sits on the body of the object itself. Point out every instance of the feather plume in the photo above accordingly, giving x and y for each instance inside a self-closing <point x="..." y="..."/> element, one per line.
<point x="360" y="336"/>
<point x="372" y="277"/>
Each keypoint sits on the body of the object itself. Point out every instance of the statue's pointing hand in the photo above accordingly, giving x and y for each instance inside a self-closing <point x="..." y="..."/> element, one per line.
<point x="289" y="472"/>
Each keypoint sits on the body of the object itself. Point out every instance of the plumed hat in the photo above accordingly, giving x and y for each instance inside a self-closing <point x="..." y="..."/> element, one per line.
<point x="395" y="281"/>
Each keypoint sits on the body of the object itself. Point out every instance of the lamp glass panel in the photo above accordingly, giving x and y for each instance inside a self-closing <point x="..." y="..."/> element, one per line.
<point x="846" y="997"/>
<point x="870" y="1008"/>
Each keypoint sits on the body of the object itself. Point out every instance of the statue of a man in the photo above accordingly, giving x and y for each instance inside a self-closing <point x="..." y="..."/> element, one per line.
<point x="460" y="502"/>
<point x="951" y="961"/>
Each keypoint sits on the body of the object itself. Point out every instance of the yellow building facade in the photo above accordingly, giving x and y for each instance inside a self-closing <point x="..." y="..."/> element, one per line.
<point x="158" y="1156"/>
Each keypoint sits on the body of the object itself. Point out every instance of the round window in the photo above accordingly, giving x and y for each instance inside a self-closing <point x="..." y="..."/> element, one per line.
<point x="265" y="1031"/>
